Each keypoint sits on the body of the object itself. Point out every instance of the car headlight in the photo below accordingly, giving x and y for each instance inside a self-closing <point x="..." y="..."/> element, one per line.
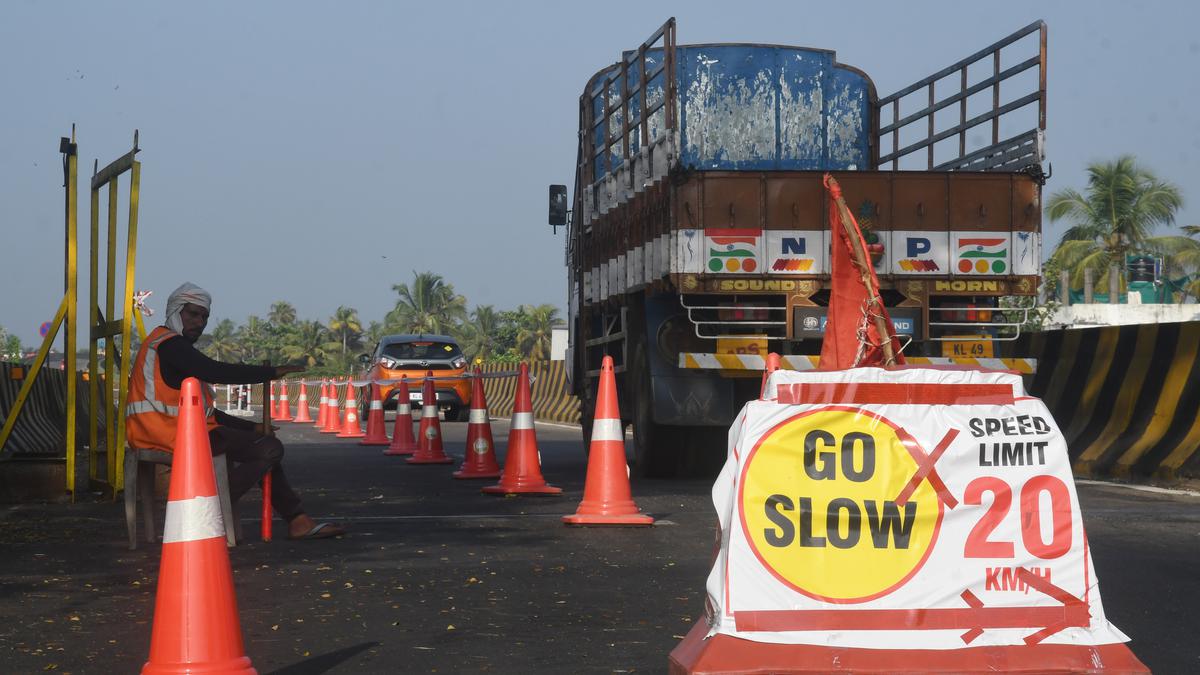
<point x="388" y="363"/>
<point x="459" y="362"/>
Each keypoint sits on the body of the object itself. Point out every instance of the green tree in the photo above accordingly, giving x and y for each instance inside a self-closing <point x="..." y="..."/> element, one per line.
<point x="222" y="343"/>
<point x="254" y="339"/>
<point x="282" y="314"/>
<point x="308" y="344"/>
<point x="1187" y="260"/>
<point x="480" y="337"/>
<point x="346" y="327"/>
<point x="430" y="305"/>
<point x="1117" y="215"/>
<point x="537" y="326"/>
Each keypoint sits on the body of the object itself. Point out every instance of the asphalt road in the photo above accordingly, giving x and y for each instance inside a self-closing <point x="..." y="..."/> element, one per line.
<point x="436" y="577"/>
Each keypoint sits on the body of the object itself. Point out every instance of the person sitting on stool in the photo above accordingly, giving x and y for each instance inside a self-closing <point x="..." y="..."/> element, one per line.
<point x="165" y="359"/>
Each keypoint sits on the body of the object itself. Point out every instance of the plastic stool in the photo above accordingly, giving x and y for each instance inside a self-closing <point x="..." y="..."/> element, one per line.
<point x="140" y="485"/>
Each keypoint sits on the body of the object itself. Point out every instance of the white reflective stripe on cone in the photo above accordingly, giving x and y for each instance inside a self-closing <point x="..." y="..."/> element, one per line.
<point x="376" y="405"/>
<point x="522" y="420"/>
<point x="478" y="416"/>
<point x="429" y="411"/>
<point x="193" y="519"/>
<point x="607" y="430"/>
<point x="402" y="409"/>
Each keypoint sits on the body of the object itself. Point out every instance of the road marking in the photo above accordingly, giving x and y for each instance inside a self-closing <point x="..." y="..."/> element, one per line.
<point x="1141" y="488"/>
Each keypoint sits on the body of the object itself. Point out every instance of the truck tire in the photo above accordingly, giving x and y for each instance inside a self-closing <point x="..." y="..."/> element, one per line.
<point x="587" y="414"/>
<point x="658" y="448"/>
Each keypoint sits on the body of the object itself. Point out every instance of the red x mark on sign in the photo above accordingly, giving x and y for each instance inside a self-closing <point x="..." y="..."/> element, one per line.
<point x="926" y="470"/>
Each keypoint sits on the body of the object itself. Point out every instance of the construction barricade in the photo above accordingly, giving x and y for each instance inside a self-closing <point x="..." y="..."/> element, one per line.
<point x="917" y="519"/>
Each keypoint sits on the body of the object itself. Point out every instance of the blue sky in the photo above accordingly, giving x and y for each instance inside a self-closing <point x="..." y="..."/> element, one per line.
<point x="321" y="152"/>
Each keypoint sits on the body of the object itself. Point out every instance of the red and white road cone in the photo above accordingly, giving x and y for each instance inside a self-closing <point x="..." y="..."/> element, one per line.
<point x="429" y="434"/>
<point x="322" y="413"/>
<point x="333" y="420"/>
<point x="284" y="412"/>
<point x="351" y="428"/>
<point x="196" y="626"/>
<point x="376" y="429"/>
<point x="274" y="401"/>
<point x="302" y="416"/>
<point x="480" y="458"/>
<point x="607" y="499"/>
<point x="403" y="442"/>
<point x="523" y="461"/>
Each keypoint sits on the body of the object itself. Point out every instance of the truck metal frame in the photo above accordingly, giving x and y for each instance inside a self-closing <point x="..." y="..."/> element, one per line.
<point x="699" y="236"/>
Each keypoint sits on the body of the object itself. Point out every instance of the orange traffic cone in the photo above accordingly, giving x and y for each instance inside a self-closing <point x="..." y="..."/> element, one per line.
<point x="607" y="499"/>
<point x="351" y="428"/>
<point x="480" y="459"/>
<point x="523" y="461"/>
<point x="196" y="626"/>
<point x="429" y="434"/>
<point x="403" y="442"/>
<point x="284" y="412"/>
<point x="274" y="403"/>
<point x="302" y="416"/>
<point x="376" y="429"/>
<point x="772" y="366"/>
<point x="333" y="420"/>
<point x="322" y="413"/>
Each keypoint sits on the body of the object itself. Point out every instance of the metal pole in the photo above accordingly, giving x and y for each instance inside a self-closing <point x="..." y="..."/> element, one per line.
<point x="266" y="479"/>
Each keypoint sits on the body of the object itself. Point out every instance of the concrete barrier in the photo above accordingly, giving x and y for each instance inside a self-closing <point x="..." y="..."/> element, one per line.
<point x="551" y="400"/>
<point x="1126" y="397"/>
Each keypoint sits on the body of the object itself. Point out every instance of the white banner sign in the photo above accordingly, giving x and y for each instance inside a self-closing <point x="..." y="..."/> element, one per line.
<point x="915" y="508"/>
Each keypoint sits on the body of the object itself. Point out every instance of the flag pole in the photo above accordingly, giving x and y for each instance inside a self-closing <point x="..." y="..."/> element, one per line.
<point x="864" y="266"/>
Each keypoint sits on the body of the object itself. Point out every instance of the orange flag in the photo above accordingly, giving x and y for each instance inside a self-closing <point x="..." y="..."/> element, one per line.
<point x="852" y="331"/>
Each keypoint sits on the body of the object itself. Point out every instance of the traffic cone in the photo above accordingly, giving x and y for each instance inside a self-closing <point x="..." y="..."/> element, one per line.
<point x="351" y="427"/>
<point x="523" y="460"/>
<point x="403" y="442"/>
<point x="376" y="429"/>
<point x="302" y="416"/>
<point x="284" y="412"/>
<point x="322" y="413"/>
<point x="333" y="421"/>
<point x="429" y="434"/>
<point x="772" y="366"/>
<point x="196" y="626"/>
<point x="480" y="457"/>
<point x="274" y="409"/>
<point x="607" y="499"/>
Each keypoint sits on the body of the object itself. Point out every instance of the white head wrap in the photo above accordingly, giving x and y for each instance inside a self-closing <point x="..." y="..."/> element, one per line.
<point x="181" y="296"/>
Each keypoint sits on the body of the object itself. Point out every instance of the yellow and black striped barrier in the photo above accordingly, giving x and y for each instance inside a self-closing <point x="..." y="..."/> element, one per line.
<point x="1126" y="397"/>
<point x="552" y="401"/>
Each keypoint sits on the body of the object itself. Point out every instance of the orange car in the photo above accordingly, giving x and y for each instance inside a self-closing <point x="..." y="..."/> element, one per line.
<point x="414" y="356"/>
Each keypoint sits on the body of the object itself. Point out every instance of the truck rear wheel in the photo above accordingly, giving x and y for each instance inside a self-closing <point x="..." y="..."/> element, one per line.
<point x="658" y="448"/>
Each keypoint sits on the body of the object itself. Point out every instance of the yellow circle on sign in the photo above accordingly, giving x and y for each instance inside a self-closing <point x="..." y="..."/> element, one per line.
<point x="817" y="501"/>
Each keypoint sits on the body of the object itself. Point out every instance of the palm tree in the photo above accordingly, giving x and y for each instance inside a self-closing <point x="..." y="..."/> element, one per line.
<point x="1118" y="215"/>
<point x="345" y="326"/>
<point x="537" y="328"/>
<point x="480" y="335"/>
<point x="223" y="343"/>
<point x="282" y="313"/>
<point x="254" y="339"/>
<point x="308" y="344"/>
<point x="430" y="305"/>
<point x="1187" y="259"/>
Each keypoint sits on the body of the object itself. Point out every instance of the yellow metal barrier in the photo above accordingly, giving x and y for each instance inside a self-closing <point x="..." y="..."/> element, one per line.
<point x="116" y="367"/>
<point x="63" y="318"/>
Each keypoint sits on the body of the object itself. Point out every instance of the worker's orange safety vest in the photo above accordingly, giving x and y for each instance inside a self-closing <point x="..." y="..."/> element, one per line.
<point x="152" y="409"/>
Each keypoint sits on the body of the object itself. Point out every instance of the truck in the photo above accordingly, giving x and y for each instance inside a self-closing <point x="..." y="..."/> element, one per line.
<point x="698" y="238"/>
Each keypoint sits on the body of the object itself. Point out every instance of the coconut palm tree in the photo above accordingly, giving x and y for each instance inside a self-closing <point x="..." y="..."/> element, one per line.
<point x="480" y="335"/>
<point x="282" y="314"/>
<point x="1118" y="214"/>
<point x="430" y="305"/>
<point x="254" y="339"/>
<point x="308" y="344"/>
<point x="346" y="327"/>
<point x="223" y="343"/>
<point x="537" y="328"/>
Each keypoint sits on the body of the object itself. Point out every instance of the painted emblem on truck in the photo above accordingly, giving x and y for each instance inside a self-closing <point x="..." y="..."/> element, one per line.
<point x="732" y="251"/>
<point x="795" y="251"/>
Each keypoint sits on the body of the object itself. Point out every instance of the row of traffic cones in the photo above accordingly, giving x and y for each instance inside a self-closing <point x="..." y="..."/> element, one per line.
<point x="196" y="626"/>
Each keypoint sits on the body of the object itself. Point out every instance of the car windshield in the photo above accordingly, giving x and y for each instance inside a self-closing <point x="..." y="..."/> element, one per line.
<point x="421" y="351"/>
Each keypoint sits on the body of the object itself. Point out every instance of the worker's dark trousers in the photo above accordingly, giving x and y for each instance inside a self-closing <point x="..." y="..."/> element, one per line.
<point x="251" y="456"/>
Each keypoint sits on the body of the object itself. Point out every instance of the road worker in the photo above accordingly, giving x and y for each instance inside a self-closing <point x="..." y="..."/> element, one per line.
<point x="165" y="359"/>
